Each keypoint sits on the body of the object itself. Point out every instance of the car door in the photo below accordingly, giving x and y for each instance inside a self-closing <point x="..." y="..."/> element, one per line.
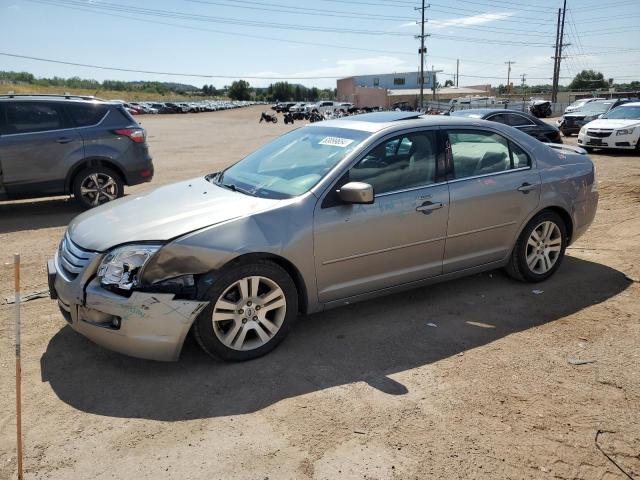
<point x="399" y="238"/>
<point x="37" y="148"/>
<point x="493" y="188"/>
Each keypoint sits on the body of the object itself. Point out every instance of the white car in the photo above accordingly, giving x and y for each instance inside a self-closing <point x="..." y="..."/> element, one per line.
<point x="322" y="107"/>
<point x="298" y="107"/>
<point x="618" y="128"/>
<point x="578" y="104"/>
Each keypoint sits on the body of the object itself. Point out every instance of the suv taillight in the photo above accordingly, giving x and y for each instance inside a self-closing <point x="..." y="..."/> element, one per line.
<point x="135" y="134"/>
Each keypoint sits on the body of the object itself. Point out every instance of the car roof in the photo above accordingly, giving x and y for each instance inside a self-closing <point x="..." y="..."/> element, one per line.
<point x="486" y="111"/>
<point x="377" y="121"/>
<point x="630" y="104"/>
<point x="54" y="98"/>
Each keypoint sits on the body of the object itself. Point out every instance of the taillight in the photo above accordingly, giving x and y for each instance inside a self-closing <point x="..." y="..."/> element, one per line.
<point x="137" y="135"/>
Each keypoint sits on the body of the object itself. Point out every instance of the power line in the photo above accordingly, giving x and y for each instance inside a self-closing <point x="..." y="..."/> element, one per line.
<point x="279" y="7"/>
<point x="201" y="75"/>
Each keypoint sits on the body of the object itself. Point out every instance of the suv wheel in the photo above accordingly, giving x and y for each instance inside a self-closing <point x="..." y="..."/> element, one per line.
<point x="540" y="248"/>
<point x="94" y="186"/>
<point x="251" y="310"/>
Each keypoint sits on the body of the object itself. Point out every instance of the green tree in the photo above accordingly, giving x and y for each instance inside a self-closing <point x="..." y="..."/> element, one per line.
<point x="588" y="79"/>
<point x="281" y="91"/>
<point x="240" y="90"/>
<point x="448" y="83"/>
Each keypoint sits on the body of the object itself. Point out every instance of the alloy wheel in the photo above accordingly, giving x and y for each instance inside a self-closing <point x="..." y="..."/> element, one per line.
<point x="98" y="188"/>
<point x="249" y="313"/>
<point x="544" y="247"/>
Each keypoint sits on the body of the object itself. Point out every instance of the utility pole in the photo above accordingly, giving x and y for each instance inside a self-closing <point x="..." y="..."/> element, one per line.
<point x="524" y="80"/>
<point x="457" y="71"/>
<point x="558" y="56"/>
<point x="509" y="63"/>
<point x="422" y="50"/>
<point x="554" y="83"/>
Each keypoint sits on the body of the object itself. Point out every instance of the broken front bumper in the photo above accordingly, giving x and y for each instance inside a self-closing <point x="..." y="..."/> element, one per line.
<point x="144" y="325"/>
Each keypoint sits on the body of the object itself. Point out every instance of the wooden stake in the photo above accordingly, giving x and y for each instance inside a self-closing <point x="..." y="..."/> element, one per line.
<point x="16" y="267"/>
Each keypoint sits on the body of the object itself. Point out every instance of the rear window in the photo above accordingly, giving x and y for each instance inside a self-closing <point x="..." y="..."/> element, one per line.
<point x="86" y="114"/>
<point x="121" y="114"/>
<point x="26" y="117"/>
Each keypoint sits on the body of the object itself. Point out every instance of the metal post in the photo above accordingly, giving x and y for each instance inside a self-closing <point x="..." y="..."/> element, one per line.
<point x="554" y="88"/>
<point x="16" y="269"/>
<point x="509" y="63"/>
<point x="564" y="12"/>
<point x="457" y="71"/>
<point x="422" y="58"/>
<point x="524" y="78"/>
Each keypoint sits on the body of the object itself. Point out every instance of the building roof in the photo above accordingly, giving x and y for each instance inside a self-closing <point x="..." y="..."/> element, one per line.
<point x="440" y="91"/>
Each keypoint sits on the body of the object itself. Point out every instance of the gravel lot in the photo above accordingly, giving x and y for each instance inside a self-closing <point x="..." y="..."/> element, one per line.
<point x="367" y="391"/>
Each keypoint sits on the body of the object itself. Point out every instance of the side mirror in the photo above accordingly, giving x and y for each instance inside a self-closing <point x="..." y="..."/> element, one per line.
<point x="356" y="192"/>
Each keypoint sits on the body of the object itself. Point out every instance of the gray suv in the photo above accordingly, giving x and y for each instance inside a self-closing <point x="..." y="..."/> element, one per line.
<point x="56" y="145"/>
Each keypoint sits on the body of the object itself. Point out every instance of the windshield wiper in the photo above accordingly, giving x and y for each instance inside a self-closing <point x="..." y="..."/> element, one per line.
<point x="235" y="188"/>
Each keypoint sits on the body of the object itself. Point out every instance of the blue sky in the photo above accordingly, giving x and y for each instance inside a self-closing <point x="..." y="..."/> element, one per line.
<point x="218" y="37"/>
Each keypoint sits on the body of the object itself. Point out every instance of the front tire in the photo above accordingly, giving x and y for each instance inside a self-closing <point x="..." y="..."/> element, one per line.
<point x="540" y="248"/>
<point x="94" y="186"/>
<point x="251" y="310"/>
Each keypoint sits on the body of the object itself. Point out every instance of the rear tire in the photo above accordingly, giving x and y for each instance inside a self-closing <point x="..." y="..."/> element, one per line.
<point x="252" y="308"/>
<point x="97" y="185"/>
<point x="540" y="248"/>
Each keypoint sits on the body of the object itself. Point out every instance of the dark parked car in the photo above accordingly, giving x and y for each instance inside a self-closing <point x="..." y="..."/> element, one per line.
<point x="57" y="145"/>
<point x="175" y="108"/>
<point x="162" y="108"/>
<point x="520" y="120"/>
<point x="571" y="123"/>
<point x="283" y="106"/>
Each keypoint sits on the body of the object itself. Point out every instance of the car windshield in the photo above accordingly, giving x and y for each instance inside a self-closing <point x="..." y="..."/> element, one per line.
<point x="596" y="107"/>
<point x="292" y="164"/>
<point x="625" y="113"/>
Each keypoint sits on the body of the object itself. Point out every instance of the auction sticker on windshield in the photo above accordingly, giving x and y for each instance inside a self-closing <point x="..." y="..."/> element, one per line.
<point x="336" y="141"/>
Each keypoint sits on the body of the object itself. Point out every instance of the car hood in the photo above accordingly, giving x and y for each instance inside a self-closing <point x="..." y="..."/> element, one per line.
<point x="162" y="214"/>
<point x="613" y="123"/>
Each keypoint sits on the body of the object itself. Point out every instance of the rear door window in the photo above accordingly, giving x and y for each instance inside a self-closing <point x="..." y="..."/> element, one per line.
<point x="478" y="152"/>
<point x="86" y="114"/>
<point x="500" y="118"/>
<point x="27" y="117"/>
<point x="516" y="120"/>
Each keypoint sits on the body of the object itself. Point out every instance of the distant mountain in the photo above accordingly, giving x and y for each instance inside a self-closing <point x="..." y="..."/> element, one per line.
<point x="173" y="86"/>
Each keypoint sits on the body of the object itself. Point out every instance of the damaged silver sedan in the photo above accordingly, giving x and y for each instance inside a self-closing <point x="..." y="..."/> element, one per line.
<point x="326" y="215"/>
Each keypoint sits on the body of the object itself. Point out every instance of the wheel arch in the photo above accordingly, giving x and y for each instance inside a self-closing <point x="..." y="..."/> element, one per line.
<point x="561" y="211"/>
<point x="92" y="162"/>
<point x="566" y="218"/>
<point x="290" y="268"/>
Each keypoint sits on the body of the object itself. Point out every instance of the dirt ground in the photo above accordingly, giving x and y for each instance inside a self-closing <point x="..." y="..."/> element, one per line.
<point x="366" y="391"/>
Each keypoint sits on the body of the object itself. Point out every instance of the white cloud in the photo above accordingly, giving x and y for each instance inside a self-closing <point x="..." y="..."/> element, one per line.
<point x="473" y="20"/>
<point x="464" y="21"/>
<point x="341" y="68"/>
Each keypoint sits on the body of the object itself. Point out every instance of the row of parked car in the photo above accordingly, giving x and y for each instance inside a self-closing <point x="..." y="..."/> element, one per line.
<point x="603" y="123"/>
<point x="321" y="107"/>
<point x="139" y="108"/>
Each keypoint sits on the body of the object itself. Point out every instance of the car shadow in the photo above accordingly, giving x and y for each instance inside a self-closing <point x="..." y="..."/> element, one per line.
<point x="34" y="215"/>
<point x="362" y="342"/>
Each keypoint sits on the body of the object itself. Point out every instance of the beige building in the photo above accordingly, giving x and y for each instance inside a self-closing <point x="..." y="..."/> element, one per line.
<point x="351" y="90"/>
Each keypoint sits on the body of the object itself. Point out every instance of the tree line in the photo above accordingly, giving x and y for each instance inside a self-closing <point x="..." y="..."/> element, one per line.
<point x="161" y="88"/>
<point x="282" y="91"/>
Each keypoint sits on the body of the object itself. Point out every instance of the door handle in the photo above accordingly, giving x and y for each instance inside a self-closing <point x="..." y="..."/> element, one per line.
<point x="64" y="140"/>
<point x="527" y="187"/>
<point x="428" y="207"/>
